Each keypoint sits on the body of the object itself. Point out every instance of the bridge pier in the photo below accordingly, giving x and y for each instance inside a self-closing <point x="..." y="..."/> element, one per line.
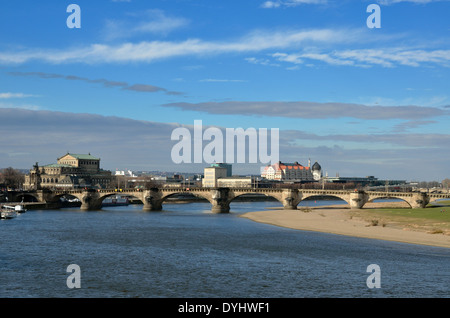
<point x="90" y="201"/>
<point x="87" y="206"/>
<point x="151" y="205"/>
<point x="220" y="200"/>
<point x="220" y="209"/>
<point x="358" y="199"/>
<point x="290" y="199"/>
<point x="419" y="200"/>
<point x="152" y="200"/>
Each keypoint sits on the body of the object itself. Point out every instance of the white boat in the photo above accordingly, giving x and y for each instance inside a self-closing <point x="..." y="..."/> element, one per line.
<point x="116" y="200"/>
<point x="19" y="208"/>
<point x="7" y="213"/>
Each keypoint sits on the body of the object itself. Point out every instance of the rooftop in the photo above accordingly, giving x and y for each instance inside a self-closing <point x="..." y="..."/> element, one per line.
<point x="81" y="156"/>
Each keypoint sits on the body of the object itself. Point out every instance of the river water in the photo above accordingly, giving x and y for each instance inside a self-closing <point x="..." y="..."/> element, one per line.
<point x="186" y="251"/>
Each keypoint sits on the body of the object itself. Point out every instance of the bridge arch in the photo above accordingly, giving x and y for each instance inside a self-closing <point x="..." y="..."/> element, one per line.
<point x="173" y="194"/>
<point x="25" y="197"/>
<point x="310" y="197"/>
<point x="391" y="197"/>
<point x="59" y="196"/>
<point x="102" y="197"/>
<point x="434" y="198"/>
<point x="270" y="195"/>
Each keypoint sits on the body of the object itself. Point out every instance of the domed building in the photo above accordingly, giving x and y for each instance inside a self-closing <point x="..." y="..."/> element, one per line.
<point x="316" y="171"/>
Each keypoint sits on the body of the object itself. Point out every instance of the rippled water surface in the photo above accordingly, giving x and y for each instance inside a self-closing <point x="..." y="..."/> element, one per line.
<point x="185" y="251"/>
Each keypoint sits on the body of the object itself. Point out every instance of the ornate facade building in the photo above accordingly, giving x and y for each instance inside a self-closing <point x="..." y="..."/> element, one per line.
<point x="70" y="172"/>
<point x="292" y="172"/>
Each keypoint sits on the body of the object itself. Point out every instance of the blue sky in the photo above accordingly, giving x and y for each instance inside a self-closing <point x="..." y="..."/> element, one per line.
<point x="359" y="101"/>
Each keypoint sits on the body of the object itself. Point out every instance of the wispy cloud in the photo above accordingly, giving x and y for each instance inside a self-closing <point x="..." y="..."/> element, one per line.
<point x="290" y="3"/>
<point x="384" y="57"/>
<point x="389" y="2"/>
<point x="155" y="22"/>
<point x="320" y="45"/>
<point x="145" y="51"/>
<point x="144" y="88"/>
<point x="293" y="3"/>
<point x="303" y="109"/>
<point x="261" y="61"/>
<point x="20" y="106"/>
<point x="14" y="95"/>
<point x="403" y="127"/>
<point x="9" y="96"/>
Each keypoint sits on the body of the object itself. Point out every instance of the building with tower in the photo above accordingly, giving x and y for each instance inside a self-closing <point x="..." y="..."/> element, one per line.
<point x="292" y="172"/>
<point x="316" y="171"/>
<point x="69" y="172"/>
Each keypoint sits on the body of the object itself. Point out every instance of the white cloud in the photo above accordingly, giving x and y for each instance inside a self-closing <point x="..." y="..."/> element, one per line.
<point x="270" y="4"/>
<point x="294" y="3"/>
<point x="397" y="56"/>
<point x="324" y="45"/>
<point x="290" y="3"/>
<point x="389" y="2"/>
<point x="260" y="61"/>
<point x="155" y="50"/>
<point x="14" y="95"/>
<point x="291" y="58"/>
<point x="155" y="22"/>
<point x="22" y="106"/>
<point x="385" y="57"/>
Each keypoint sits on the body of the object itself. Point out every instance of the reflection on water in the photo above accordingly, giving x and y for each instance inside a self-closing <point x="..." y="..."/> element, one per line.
<point x="185" y="251"/>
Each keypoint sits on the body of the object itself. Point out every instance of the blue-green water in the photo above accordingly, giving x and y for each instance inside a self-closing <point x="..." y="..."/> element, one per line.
<point x="185" y="251"/>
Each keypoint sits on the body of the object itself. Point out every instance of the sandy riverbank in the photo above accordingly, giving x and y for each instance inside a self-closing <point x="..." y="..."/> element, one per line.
<point x="344" y="221"/>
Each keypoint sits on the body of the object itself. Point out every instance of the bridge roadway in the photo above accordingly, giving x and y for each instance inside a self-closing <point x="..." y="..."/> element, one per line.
<point x="220" y="198"/>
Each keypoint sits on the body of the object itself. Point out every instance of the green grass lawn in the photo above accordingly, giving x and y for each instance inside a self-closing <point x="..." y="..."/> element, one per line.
<point x="434" y="219"/>
<point x="429" y="213"/>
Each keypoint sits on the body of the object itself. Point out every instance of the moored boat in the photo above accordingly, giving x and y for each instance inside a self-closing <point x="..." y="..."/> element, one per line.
<point x="19" y="208"/>
<point x="116" y="201"/>
<point x="7" y="214"/>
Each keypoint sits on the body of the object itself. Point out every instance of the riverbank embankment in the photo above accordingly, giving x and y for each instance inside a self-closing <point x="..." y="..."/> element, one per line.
<point x="382" y="221"/>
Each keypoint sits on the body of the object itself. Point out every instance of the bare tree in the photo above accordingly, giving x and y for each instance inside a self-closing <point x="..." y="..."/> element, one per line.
<point x="12" y="178"/>
<point x="149" y="184"/>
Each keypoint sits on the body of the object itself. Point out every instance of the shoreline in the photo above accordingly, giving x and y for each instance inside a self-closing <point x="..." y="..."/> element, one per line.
<point x="342" y="220"/>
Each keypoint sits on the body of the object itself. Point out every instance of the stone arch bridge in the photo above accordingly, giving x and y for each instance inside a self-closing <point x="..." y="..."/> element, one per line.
<point x="220" y="198"/>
